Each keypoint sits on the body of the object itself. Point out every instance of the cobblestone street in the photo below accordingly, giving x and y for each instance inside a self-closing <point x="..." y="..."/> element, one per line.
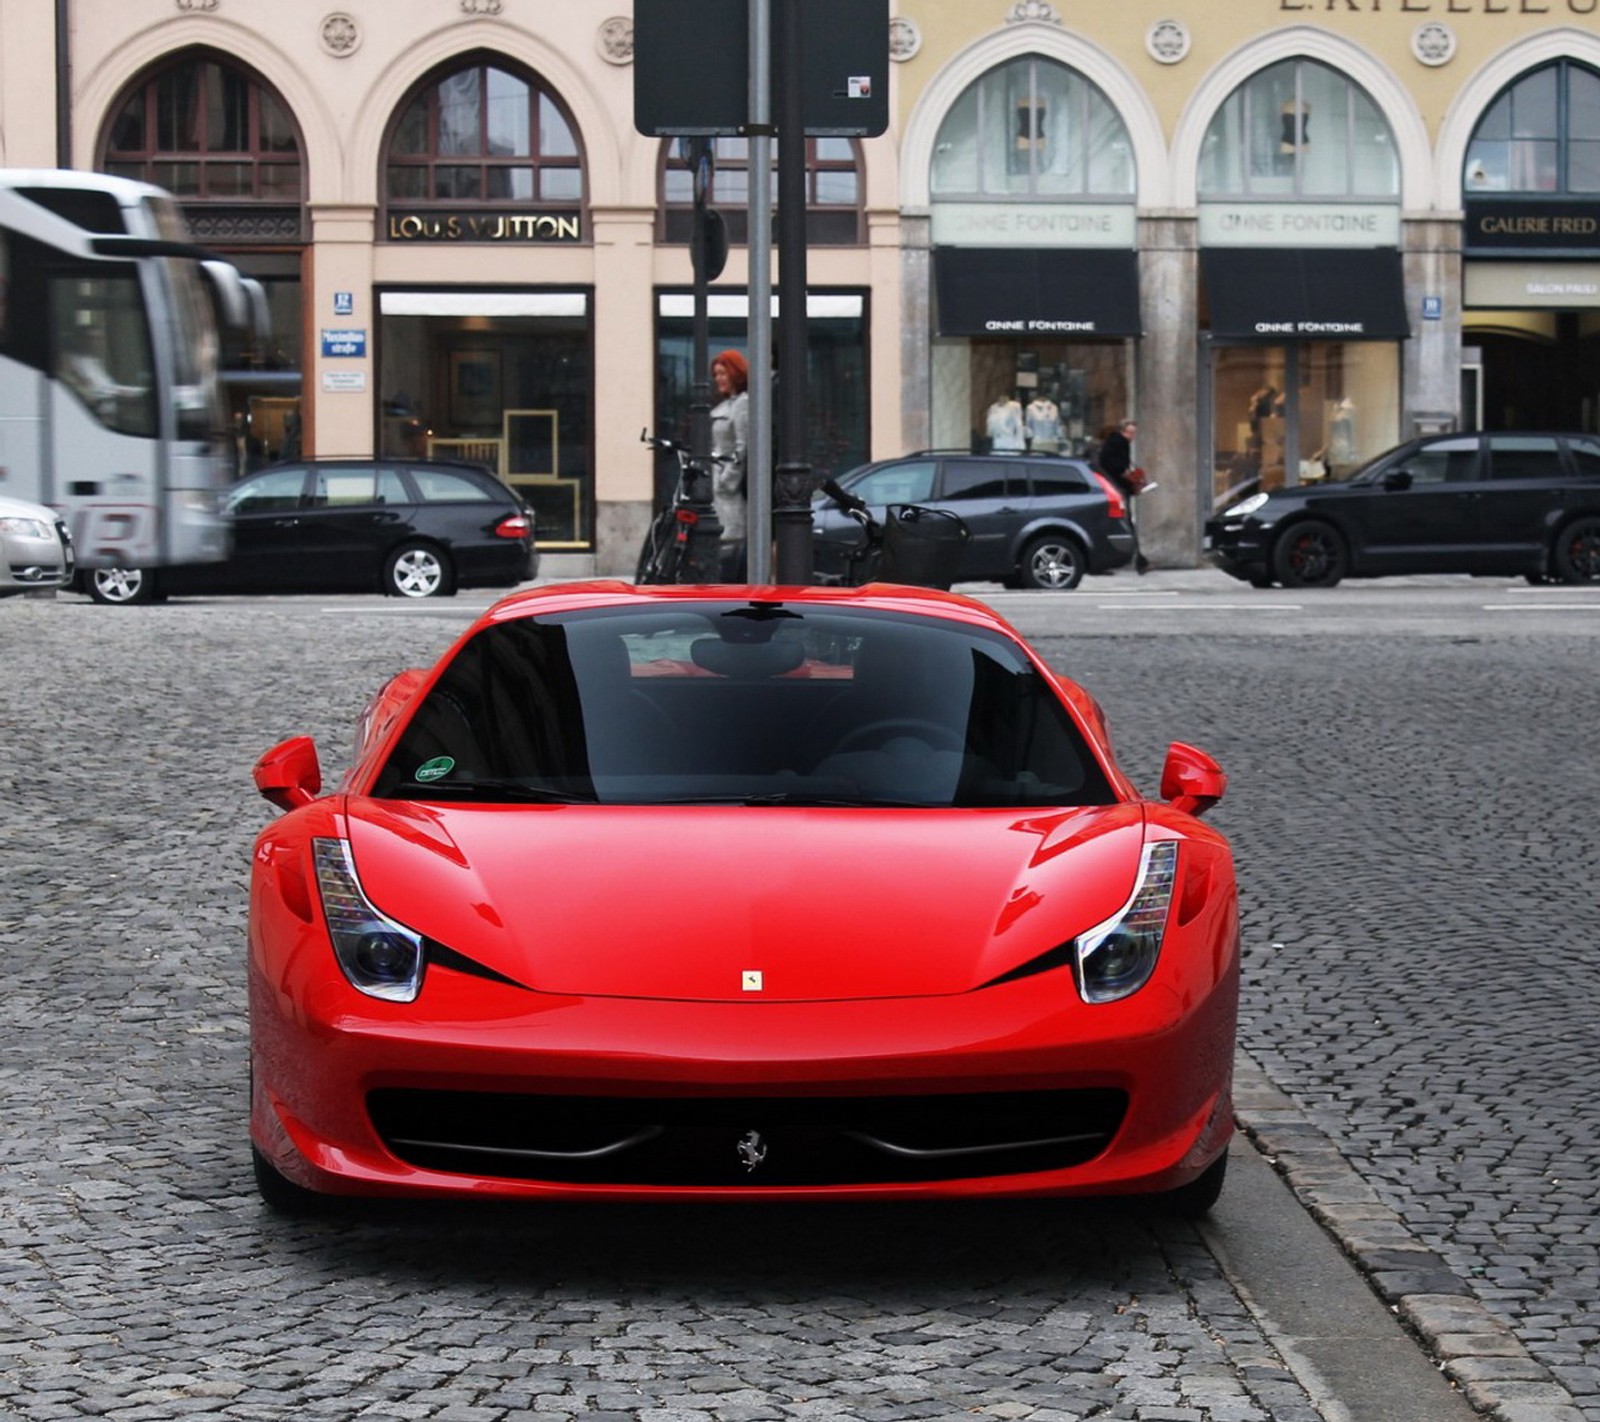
<point x="1412" y="820"/>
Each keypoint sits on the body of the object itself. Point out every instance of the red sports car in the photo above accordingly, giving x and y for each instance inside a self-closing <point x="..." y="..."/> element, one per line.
<point x="739" y="893"/>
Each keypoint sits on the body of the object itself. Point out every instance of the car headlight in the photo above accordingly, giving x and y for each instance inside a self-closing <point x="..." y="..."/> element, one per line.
<point x="379" y="956"/>
<point x="1115" y="958"/>
<point x="25" y="527"/>
<point x="1246" y="506"/>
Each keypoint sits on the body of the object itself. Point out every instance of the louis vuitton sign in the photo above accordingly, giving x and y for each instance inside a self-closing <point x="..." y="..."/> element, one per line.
<point x="484" y="226"/>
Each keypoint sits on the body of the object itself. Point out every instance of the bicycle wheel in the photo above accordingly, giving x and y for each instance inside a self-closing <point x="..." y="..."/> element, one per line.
<point x="658" y="558"/>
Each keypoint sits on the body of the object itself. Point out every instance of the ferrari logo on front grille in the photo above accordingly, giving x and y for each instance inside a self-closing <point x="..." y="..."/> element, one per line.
<point x="752" y="980"/>
<point x="752" y="1149"/>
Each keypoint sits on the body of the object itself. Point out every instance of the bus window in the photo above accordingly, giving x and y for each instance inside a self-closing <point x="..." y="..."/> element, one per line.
<point x="100" y="348"/>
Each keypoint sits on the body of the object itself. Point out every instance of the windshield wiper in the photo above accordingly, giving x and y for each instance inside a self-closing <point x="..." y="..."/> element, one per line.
<point x="493" y="789"/>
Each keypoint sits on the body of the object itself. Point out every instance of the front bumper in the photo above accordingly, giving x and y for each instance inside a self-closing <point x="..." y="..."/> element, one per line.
<point x="27" y="564"/>
<point x="480" y="1088"/>
<point x="1239" y="549"/>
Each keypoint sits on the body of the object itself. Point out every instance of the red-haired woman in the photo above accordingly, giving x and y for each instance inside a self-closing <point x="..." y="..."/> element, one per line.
<point x="730" y="437"/>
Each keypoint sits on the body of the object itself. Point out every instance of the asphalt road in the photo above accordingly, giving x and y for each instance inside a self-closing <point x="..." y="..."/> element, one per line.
<point x="1411" y="797"/>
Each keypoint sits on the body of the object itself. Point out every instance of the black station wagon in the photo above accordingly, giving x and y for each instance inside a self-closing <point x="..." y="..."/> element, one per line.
<point x="1501" y="503"/>
<point x="1035" y="521"/>
<point x="409" y="528"/>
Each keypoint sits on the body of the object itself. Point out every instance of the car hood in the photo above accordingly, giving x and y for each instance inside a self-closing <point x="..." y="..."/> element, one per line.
<point x="684" y="902"/>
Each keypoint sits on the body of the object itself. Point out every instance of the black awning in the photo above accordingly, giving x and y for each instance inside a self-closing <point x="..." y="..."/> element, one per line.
<point x="1306" y="294"/>
<point x="1060" y="293"/>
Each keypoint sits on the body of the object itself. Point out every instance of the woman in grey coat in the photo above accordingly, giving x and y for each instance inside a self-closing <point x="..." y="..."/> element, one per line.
<point x="730" y="440"/>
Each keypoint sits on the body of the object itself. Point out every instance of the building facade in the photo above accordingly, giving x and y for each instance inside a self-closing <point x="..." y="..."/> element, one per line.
<point x="1282" y="234"/>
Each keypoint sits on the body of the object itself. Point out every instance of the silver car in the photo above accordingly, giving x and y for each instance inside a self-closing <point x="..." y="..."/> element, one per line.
<point x="35" y="548"/>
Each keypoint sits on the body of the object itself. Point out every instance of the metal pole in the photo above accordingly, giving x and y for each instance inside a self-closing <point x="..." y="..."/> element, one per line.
<point x="758" y="485"/>
<point x="63" y="85"/>
<point x="705" y="537"/>
<point x="791" y="515"/>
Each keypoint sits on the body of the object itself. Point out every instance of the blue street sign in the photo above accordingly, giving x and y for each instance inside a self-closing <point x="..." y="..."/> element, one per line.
<point x="344" y="303"/>
<point x="344" y="343"/>
<point x="1432" y="308"/>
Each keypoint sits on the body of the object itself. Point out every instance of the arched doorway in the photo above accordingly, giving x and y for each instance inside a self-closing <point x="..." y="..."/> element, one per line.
<point x="484" y="160"/>
<point x="1531" y="292"/>
<point x="218" y="137"/>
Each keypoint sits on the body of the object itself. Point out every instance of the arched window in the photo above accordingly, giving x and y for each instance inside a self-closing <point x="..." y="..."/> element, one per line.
<point x="483" y="134"/>
<point x="1541" y="135"/>
<point x="833" y="191"/>
<point x="1033" y="129"/>
<point x="1299" y="130"/>
<point x="206" y="130"/>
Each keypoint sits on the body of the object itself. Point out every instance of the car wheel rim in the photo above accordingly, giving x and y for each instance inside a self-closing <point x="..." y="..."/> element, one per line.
<point x="1053" y="566"/>
<point x="118" y="584"/>
<point x="1583" y="554"/>
<point x="417" y="574"/>
<point x="1312" y="557"/>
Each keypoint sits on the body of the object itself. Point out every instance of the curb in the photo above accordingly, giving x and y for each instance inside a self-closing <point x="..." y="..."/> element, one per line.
<point x="1473" y="1348"/>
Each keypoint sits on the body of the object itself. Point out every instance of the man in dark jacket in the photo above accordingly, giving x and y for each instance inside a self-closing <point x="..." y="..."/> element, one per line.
<point x="1116" y="458"/>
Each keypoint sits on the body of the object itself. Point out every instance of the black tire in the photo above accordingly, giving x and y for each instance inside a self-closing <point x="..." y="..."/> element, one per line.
<point x="282" y="1196"/>
<point x="418" y="570"/>
<point x="121" y="587"/>
<point x="1053" y="562"/>
<point x="1195" y="1199"/>
<point x="661" y="555"/>
<point x="1576" y="556"/>
<point x="1310" y="554"/>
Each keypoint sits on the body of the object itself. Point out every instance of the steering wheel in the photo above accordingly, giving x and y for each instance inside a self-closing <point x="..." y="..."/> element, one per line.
<point x="875" y="733"/>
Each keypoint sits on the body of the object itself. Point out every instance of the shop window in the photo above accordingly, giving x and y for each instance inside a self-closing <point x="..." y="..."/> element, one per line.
<point x="1540" y="136"/>
<point x="833" y="191"/>
<point x="483" y="134"/>
<point x="496" y="378"/>
<point x="1299" y="130"/>
<point x="1033" y="129"/>
<point x="836" y="336"/>
<point x="208" y="131"/>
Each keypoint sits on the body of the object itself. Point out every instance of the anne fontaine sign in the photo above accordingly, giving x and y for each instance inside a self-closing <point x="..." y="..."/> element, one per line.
<point x="485" y="226"/>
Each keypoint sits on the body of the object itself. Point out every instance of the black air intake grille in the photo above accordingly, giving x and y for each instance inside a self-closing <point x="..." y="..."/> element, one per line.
<point x="730" y="1141"/>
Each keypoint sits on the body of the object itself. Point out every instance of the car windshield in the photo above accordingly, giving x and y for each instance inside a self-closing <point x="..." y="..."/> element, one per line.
<point x="733" y="702"/>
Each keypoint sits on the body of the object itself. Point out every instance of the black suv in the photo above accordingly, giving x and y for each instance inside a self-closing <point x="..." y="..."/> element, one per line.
<point x="1503" y="503"/>
<point x="406" y="527"/>
<point x="1036" y="521"/>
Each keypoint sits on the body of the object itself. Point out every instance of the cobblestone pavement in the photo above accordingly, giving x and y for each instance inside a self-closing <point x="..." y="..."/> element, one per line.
<point x="141" y="1281"/>
<point x="1414" y="820"/>
<point x="1412" y="817"/>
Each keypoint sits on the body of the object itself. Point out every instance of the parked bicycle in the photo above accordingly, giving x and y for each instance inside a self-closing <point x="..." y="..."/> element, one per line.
<point x="918" y="546"/>
<point x="666" y="554"/>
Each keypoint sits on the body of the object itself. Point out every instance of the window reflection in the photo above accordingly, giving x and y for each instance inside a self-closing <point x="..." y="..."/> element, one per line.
<point x="1542" y="135"/>
<point x="1033" y="128"/>
<point x="477" y="135"/>
<point x="1299" y="129"/>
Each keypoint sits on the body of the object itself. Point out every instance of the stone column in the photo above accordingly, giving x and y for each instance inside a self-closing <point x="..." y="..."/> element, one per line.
<point x="916" y="335"/>
<point x="624" y="383"/>
<point x="339" y="393"/>
<point x="1167" y="393"/>
<point x="1431" y="383"/>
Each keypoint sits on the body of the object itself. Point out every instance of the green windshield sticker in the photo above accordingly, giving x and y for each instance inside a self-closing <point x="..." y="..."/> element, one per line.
<point x="435" y="769"/>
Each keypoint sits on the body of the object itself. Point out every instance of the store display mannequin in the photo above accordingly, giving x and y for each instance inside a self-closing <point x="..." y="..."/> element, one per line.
<point x="1005" y="423"/>
<point x="1042" y="420"/>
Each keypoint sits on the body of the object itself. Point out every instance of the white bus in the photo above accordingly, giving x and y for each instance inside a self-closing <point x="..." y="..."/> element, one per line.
<point x="110" y="407"/>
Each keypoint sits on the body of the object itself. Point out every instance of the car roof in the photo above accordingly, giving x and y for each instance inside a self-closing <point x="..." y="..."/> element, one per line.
<point x="403" y="461"/>
<point x="882" y="597"/>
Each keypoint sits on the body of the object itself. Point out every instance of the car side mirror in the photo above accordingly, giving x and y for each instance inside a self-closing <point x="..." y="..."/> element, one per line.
<point x="289" y="775"/>
<point x="1190" y="780"/>
<point x="1397" y="479"/>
